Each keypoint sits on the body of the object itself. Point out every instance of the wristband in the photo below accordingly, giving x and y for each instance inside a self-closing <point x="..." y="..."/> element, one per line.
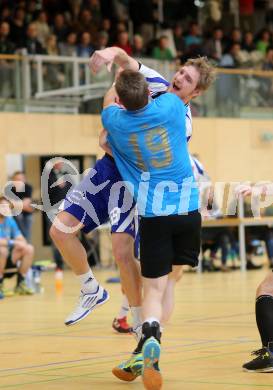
<point x="10" y="242"/>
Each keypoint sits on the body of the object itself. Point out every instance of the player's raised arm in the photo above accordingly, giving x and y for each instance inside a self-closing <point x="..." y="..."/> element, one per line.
<point x="112" y="55"/>
<point x="110" y="97"/>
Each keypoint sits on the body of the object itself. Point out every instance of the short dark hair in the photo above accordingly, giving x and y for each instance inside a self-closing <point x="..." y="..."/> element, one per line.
<point x="132" y="90"/>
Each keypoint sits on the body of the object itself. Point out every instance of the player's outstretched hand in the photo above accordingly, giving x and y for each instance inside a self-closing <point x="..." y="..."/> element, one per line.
<point x="100" y="58"/>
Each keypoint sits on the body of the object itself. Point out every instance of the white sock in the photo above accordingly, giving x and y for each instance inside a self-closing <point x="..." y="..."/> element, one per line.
<point x="88" y="281"/>
<point x="137" y="322"/>
<point x="124" y="307"/>
<point x="151" y="319"/>
<point x="136" y="316"/>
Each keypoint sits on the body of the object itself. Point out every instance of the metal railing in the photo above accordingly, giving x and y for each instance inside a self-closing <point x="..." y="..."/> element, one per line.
<point x="65" y="84"/>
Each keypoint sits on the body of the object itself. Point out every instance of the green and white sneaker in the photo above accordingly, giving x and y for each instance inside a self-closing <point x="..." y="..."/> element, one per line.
<point x="129" y="370"/>
<point x="23" y="289"/>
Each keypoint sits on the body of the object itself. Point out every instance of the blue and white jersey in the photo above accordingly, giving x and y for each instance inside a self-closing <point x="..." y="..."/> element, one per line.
<point x="158" y="85"/>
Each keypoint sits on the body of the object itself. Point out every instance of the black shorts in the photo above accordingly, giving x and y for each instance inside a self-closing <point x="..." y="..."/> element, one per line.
<point x="167" y="241"/>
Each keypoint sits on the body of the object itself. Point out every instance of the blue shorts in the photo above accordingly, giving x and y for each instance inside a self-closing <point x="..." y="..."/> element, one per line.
<point x="102" y="196"/>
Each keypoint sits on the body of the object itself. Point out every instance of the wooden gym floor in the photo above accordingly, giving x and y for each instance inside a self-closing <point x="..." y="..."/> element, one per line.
<point x="211" y="334"/>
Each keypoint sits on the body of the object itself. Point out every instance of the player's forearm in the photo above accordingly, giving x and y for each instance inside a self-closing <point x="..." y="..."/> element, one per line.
<point x="123" y="60"/>
<point x="110" y="97"/>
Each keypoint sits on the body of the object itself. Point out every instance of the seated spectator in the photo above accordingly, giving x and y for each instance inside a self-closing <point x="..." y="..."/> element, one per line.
<point x="51" y="45"/>
<point x="138" y="48"/>
<point x="60" y="28"/>
<point x="86" y="23"/>
<point x="234" y="37"/>
<point x="268" y="61"/>
<point x="6" y="66"/>
<point x="31" y="11"/>
<point x="193" y="38"/>
<point x="102" y="40"/>
<point x="13" y="247"/>
<point x="69" y="48"/>
<point x="264" y="42"/>
<point x="85" y="49"/>
<point x="162" y="51"/>
<point x="94" y="7"/>
<point x="248" y="42"/>
<point x="214" y="45"/>
<point x="23" y="191"/>
<point x="123" y="42"/>
<point x="43" y="30"/>
<point x="231" y="58"/>
<point x="18" y="28"/>
<point x="5" y="15"/>
<point x="32" y="44"/>
<point x="179" y="40"/>
<point x="263" y="233"/>
<point x="6" y="45"/>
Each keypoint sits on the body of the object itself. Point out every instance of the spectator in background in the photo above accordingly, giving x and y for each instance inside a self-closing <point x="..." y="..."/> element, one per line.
<point x="107" y="27"/>
<point x="85" y="49"/>
<point x="60" y="28"/>
<point x="214" y="45"/>
<point x="51" y="45"/>
<point x="102" y="40"/>
<point x="264" y="42"/>
<point x="248" y="42"/>
<point x="268" y="61"/>
<point x="193" y="38"/>
<point x="23" y="191"/>
<point x="6" y="67"/>
<point x="179" y="41"/>
<point x="230" y="58"/>
<point x="31" y="11"/>
<point x="235" y="37"/>
<point x="18" y="28"/>
<point x="138" y="48"/>
<point x="6" y="45"/>
<point x="123" y="42"/>
<point x="94" y="7"/>
<point x="69" y="48"/>
<point x="162" y="51"/>
<point x="86" y="23"/>
<point x="32" y="44"/>
<point x="5" y="15"/>
<point x="13" y="247"/>
<point x="43" y="30"/>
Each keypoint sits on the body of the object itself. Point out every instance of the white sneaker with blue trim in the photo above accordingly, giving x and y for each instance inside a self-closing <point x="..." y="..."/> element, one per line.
<point x="88" y="301"/>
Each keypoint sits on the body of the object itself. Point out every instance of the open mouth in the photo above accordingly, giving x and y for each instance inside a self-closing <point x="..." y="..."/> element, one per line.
<point x="175" y="87"/>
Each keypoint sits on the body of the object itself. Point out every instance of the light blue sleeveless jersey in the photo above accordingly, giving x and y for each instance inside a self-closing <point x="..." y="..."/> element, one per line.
<point x="150" y="150"/>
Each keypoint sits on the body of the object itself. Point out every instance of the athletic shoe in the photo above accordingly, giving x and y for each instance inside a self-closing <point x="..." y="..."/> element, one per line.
<point x="151" y="376"/>
<point x="86" y="304"/>
<point x="129" y="370"/>
<point x="23" y="289"/>
<point x="262" y="363"/>
<point x="4" y="292"/>
<point x="121" y="325"/>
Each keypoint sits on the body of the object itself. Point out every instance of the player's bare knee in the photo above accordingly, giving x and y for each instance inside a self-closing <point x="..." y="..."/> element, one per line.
<point x="56" y="234"/>
<point x="4" y="252"/>
<point x="122" y="255"/>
